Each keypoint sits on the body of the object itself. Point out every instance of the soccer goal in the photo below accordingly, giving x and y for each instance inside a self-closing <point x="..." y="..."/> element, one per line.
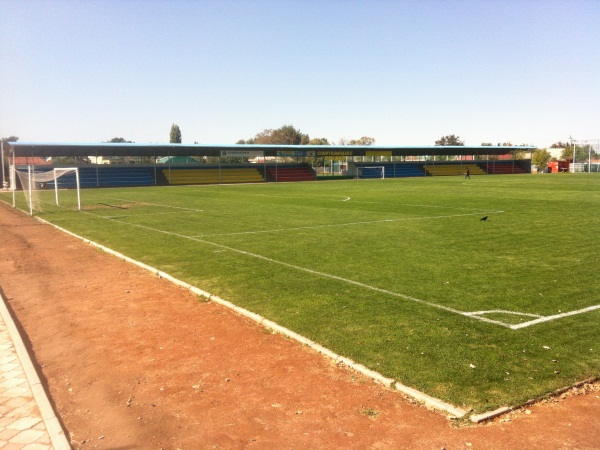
<point x="44" y="189"/>
<point x="371" y="172"/>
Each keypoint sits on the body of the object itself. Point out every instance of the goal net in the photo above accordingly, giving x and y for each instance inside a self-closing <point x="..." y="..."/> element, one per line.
<point x="371" y="172"/>
<point x="47" y="190"/>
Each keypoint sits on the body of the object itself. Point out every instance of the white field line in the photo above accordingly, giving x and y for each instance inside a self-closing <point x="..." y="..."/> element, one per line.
<point x="503" y="311"/>
<point x="156" y="204"/>
<point x="557" y="316"/>
<point x="445" y="207"/>
<point x="431" y="402"/>
<point x="472" y="315"/>
<point x="125" y="216"/>
<point x="346" y="224"/>
<point x="478" y="315"/>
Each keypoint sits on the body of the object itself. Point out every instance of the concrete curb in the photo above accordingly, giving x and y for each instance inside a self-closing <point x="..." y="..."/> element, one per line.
<point x="55" y="431"/>
<point x="429" y="401"/>
<point x="478" y="418"/>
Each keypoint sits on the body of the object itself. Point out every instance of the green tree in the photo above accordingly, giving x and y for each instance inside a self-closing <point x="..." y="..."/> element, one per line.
<point x="286" y="135"/>
<point x="449" y="140"/>
<point x="119" y="140"/>
<point x="318" y="141"/>
<point x="567" y="151"/>
<point x="365" y="140"/>
<point x="540" y="158"/>
<point x="582" y="152"/>
<point x="175" y="136"/>
<point x="10" y="139"/>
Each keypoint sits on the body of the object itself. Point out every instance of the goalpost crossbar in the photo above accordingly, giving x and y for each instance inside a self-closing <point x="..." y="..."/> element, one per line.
<point x="380" y="170"/>
<point x="34" y="181"/>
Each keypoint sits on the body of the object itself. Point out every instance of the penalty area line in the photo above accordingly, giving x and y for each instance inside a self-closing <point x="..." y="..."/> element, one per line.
<point x="345" y="224"/>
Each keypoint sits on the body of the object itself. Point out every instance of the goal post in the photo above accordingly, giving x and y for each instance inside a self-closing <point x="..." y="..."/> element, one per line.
<point x="371" y="172"/>
<point x="56" y="188"/>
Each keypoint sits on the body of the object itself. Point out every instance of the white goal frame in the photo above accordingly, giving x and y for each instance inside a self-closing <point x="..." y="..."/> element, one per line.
<point x="30" y="179"/>
<point x="361" y="168"/>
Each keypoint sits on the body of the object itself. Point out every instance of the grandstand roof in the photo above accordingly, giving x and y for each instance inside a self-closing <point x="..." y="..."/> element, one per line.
<point x="47" y="149"/>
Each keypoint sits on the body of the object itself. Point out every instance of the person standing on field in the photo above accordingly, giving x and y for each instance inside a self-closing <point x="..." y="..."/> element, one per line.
<point x="468" y="174"/>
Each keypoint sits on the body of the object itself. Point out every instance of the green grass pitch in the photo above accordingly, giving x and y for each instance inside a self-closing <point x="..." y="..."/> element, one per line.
<point x="400" y="275"/>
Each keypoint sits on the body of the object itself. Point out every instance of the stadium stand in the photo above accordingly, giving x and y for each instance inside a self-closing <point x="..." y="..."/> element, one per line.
<point x="502" y="167"/>
<point x="212" y="175"/>
<point x="291" y="173"/>
<point x="102" y="176"/>
<point x="392" y="169"/>
<point x="111" y="176"/>
<point x="441" y="169"/>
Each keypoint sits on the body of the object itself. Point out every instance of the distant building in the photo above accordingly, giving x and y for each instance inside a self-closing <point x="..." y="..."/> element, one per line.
<point x="555" y="152"/>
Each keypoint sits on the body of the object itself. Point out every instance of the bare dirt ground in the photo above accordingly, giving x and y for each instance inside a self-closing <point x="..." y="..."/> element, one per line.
<point x="131" y="361"/>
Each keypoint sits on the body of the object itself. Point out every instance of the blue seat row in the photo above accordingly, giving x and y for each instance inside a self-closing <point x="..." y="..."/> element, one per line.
<point x="392" y="170"/>
<point x="112" y="177"/>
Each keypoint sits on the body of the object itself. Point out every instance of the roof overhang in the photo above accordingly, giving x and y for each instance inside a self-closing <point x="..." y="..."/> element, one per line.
<point x="44" y="150"/>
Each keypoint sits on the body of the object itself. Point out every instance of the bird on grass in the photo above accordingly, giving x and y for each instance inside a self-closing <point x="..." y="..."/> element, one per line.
<point x="484" y="218"/>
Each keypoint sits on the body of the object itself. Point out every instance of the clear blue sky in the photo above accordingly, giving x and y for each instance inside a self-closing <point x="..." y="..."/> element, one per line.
<point x="402" y="72"/>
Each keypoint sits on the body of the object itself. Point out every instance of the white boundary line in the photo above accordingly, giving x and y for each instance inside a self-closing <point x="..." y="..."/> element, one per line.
<point x="429" y="401"/>
<point x="157" y="204"/>
<point x="478" y="315"/>
<point x="557" y="316"/>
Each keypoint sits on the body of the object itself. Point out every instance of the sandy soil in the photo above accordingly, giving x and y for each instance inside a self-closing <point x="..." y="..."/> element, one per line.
<point x="131" y="361"/>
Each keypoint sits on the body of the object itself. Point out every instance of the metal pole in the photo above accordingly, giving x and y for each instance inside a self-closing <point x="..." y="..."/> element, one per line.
<point x="2" y="152"/>
<point x="78" y="189"/>
<point x="572" y="143"/>
<point x="55" y="187"/>
<point x="13" y="179"/>
<point x="29" y="172"/>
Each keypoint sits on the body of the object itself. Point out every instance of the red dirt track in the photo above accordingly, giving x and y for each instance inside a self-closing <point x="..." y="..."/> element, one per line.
<point x="132" y="361"/>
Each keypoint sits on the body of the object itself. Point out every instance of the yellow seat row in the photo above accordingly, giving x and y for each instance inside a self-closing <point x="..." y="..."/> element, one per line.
<point x="212" y="176"/>
<point x="453" y="169"/>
